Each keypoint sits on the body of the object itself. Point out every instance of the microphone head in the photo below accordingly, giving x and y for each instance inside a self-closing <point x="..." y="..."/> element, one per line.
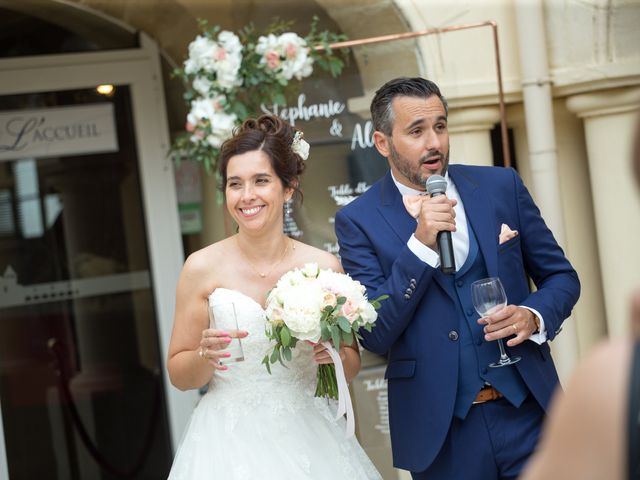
<point x="436" y="185"/>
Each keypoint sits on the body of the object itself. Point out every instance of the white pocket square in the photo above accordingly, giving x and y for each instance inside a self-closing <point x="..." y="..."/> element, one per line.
<point x="506" y="234"/>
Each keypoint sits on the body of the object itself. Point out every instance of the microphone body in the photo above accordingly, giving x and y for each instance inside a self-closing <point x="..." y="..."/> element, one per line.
<point x="437" y="185"/>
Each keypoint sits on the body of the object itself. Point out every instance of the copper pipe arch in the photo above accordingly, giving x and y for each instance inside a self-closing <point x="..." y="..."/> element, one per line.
<point x="506" y="154"/>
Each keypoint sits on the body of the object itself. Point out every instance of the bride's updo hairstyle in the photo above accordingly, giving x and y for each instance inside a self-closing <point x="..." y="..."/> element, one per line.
<point x="274" y="137"/>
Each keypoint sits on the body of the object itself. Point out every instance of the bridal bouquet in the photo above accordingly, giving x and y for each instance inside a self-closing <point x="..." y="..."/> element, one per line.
<point x="228" y="77"/>
<point x="318" y="305"/>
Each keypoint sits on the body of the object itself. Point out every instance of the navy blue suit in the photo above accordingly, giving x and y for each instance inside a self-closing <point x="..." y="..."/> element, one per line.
<point x="416" y="325"/>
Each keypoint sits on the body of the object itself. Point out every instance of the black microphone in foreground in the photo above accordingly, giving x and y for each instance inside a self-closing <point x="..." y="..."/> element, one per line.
<point x="437" y="185"/>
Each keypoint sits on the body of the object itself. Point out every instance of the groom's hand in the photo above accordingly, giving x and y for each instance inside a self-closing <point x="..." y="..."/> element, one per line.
<point x="511" y="320"/>
<point x="436" y="215"/>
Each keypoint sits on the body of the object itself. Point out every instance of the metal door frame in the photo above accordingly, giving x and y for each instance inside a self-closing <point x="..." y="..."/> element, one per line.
<point x="140" y="70"/>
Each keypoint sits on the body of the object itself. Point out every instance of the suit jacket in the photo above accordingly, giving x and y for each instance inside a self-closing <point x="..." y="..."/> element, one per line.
<point x="414" y="323"/>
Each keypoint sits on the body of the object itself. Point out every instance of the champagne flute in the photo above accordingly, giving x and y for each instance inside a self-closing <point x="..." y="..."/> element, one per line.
<point x="488" y="297"/>
<point x="222" y="316"/>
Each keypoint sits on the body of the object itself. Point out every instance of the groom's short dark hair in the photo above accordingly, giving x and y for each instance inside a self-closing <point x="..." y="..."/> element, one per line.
<point x="381" y="105"/>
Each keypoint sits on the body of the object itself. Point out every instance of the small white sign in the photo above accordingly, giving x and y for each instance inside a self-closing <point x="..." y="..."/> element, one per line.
<point x="58" y="131"/>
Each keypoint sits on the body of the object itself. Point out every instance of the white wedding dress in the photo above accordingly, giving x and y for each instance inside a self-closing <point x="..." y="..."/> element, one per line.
<point x="254" y="426"/>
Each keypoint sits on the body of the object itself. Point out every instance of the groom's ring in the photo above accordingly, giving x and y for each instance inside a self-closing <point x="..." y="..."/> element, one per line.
<point x="201" y="352"/>
<point x="515" y="329"/>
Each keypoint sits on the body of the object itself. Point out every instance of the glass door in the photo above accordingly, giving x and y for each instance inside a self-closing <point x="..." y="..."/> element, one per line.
<point x="85" y="304"/>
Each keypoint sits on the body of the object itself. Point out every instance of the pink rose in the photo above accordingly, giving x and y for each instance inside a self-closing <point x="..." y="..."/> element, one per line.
<point x="220" y="54"/>
<point x="273" y="59"/>
<point x="329" y="299"/>
<point x="350" y="310"/>
<point x="291" y="50"/>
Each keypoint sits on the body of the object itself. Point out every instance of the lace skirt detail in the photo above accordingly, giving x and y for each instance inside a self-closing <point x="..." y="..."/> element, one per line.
<point x="273" y="439"/>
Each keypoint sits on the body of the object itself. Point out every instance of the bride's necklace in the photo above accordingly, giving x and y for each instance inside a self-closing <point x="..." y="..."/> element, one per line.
<point x="263" y="274"/>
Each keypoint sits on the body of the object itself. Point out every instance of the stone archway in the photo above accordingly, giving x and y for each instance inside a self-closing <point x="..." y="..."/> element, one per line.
<point x="360" y="19"/>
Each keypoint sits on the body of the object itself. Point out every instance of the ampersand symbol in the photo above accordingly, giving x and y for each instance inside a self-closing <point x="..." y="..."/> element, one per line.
<point x="336" y="128"/>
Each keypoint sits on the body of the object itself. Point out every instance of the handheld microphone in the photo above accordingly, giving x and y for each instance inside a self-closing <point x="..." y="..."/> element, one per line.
<point x="437" y="185"/>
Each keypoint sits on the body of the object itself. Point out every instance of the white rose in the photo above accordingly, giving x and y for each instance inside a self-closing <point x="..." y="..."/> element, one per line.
<point x="266" y="44"/>
<point x="202" y="85"/>
<point x="201" y="108"/>
<point x="274" y="314"/>
<point x="191" y="67"/>
<point x="368" y="314"/>
<point x="311" y="270"/>
<point x="302" y="311"/>
<point x="201" y="52"/>
<point x="230" y="41"/>
<point x="342" y="285"/>
<point x="228" y="78"/>
<point x="214" y="140"/>
<point x="299" y="67"/>
<point x="297" y="62"/>
<point x="221" y="128"/>
<point x="291" y="278"/>
<point x="228" y="58"/>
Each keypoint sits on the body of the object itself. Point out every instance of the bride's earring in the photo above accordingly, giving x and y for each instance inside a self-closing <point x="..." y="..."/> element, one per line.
<point x="290" y="227"/>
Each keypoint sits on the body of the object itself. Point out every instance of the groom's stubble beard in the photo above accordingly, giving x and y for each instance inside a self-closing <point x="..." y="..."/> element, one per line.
<point x="411" y="170"/>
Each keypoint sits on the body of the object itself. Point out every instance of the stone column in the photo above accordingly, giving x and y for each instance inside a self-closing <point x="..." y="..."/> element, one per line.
<point x="609" y="120"/>
<point x="587" y="321"/>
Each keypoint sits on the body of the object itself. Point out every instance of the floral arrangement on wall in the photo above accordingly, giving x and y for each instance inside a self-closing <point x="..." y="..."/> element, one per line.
<point x="229" y="75"/>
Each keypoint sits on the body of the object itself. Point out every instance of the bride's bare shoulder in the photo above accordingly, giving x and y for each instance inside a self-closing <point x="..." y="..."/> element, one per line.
<point x="208" y="261"/>
<point x="310" y="254"/>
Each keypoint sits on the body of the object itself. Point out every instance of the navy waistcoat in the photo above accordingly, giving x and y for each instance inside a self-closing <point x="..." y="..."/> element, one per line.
<point x="475" y="353"/>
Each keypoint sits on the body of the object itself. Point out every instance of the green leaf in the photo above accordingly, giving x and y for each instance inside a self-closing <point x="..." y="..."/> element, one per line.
<point x="375" y="303"/>
<point x="335" y="336"/>
<point x="275" y="355"/>
<point x="347" y="337"/>
<point x="285" y="336"/>
<point x="325" y="332"/>
<point x="265" y="360"/>
<point x="344" y="324"/>
<point x="280" y="353"/>
<point x="286" y="353"/>
<point x="279" y="98"/>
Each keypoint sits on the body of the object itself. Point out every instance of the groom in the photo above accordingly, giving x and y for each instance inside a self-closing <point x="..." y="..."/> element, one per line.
<point x="451" y="415"/>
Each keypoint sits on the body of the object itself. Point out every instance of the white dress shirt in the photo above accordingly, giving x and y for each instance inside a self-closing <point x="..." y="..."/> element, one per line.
<point x="460" y="241"/>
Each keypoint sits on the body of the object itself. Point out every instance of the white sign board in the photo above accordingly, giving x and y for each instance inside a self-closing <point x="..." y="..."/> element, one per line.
<point x="57" y="131"/>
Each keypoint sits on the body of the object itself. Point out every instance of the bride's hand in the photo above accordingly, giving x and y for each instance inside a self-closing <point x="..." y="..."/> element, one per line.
<point x="212" y="345"/>
<point x="321" y="354"/>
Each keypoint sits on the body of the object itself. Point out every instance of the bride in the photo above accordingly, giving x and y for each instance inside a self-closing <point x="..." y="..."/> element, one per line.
<point x="250" y="424"/>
